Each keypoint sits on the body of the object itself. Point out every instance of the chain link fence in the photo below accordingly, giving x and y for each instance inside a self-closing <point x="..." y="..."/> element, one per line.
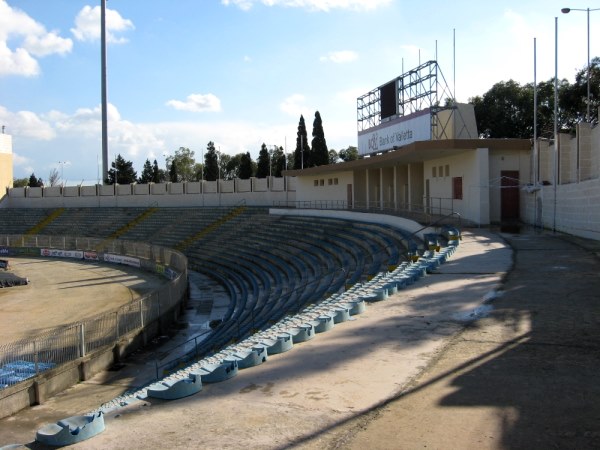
<point x="29" y="357"/>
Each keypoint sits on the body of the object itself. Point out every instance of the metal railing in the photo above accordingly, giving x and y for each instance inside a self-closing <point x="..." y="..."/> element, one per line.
<point x="425" y="212"/>
<point x="26" y="358"/>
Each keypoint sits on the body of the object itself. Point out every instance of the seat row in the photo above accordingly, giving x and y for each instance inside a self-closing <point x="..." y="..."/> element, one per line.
<point x="254" y="350"/>
<point x="281" y="336"/>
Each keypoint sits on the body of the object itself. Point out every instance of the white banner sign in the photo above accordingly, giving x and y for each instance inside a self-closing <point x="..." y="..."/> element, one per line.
<point x="120" y="259"/>
<point x="55" y="253"/>
<point x="395" y="133"/>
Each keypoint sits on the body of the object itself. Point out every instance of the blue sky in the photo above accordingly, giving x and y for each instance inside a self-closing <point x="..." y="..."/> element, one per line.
<point x="240" y="72"/>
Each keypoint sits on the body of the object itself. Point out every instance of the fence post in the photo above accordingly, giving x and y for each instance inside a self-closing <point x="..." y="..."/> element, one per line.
<point x="81" y="340"/>
<point x="142" y="312"/>
<point x="35" y="356"/>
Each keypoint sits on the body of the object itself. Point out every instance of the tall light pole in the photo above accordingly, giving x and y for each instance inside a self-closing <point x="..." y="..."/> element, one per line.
<point x="587" y="10"/>
<point x="103" y="82"/>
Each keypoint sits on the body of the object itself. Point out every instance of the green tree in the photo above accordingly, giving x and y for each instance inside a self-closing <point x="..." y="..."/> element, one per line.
<point x="198" y="171"/>
<point x="573" y="98"/>
<point x="54" y="177"/>
<point x="348" y="154"/>
<point x="227" y="166"/>
<point x="302" y="152"/>
<point x="504" y="111"/>
<point x="158" y="175"/>
<point x="333" y="156"/>
<point x="34" y="181"/>
<point x="147" y="175"/>
<point x="246" y="169"/>
<point x="238" y="166"/>
<point x="279" y="161"/>
<point x="184" y="163"/>
<point x="263" y="163"/>
<point x="211" y="163"/>
<point x="173" y="174"/>
<point x="319" y="155"/>
<point x="20" y="182"/>
<point x="121" y="171"/>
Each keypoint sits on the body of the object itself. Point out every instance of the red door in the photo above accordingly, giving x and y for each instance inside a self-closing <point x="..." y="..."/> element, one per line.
<point x="509" y="195"/>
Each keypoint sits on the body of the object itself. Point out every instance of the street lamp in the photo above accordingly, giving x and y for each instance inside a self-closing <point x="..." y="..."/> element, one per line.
<point x="587" y="10"/>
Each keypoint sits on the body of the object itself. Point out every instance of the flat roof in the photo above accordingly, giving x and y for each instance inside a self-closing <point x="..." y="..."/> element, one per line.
<point x="417" y="152"/>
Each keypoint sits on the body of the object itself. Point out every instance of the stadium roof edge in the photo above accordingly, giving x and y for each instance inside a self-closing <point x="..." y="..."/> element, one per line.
<point x="416" y="152"/>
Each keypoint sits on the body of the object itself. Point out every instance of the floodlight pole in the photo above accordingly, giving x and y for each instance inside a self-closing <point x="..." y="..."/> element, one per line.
<point x="589" y="68"/>
<point x="104" y="101"/>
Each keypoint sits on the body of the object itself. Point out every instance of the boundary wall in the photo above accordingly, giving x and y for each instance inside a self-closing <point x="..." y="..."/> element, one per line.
<point x="254" y="192"/>
<point x="572" y="204"/>
<point x="58" y="359"/>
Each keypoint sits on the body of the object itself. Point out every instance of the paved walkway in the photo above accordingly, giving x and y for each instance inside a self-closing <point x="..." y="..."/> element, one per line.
<point x="407" y="373"/>
<point x="525" y="377"/>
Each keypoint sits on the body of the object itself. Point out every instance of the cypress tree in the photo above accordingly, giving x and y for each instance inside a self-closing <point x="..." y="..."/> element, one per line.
<point x="262" y="169"/>
<point x="245" y="166"/>
<point x="211" y="163"/>
<point x="319" y="155"/>
<point x="302" y="152"/>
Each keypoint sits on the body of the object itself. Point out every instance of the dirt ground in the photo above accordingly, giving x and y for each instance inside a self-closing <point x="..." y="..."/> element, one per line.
<point x="61" y="291"/>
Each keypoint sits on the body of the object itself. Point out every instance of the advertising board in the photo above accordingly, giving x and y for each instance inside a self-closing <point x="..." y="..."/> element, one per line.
<point x="395" y="133"/>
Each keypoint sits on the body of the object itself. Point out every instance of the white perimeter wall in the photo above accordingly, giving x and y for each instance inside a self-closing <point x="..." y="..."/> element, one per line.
<point x="575" y="209"/>
<point x="255" y="192"/>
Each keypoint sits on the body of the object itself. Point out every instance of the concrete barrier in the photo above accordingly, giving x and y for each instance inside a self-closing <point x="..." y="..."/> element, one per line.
<point x="172" y="389"/>
<point x="71" y="430"/>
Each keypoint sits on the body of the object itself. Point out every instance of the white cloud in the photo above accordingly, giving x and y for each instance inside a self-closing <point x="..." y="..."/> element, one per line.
<point x="197" y="103"/>
<point x="19" y="160"/>
<point x="18" y="62"/>
<point x="27" y="123"/>
<point x="348" y="97"/>
<point x="339" y="57"/>
<point x="294" y="105"/>
<point x="87" y="25"/>
<point x="312" y="5"/>
<point x="48" y="44"/>
<point x="31" y="40"/>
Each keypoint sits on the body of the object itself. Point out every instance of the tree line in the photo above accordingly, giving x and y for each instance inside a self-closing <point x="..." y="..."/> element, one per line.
<point x="182" y="165"/>
<point x="507" y="109"/>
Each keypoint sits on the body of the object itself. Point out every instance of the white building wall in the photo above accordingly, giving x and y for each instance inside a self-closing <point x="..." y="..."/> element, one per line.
<point x="330" y="187"/>
<point x="6" y="162"/>
<point x="472" y="167"/>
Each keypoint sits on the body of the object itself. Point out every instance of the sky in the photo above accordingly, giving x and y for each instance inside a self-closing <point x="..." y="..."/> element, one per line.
<point x="240" y="73"/>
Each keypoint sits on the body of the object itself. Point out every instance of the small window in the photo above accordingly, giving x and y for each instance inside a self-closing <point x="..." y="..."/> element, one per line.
<point x="441" y="171"/>
<point x="316" y="182"/>
<point x="335" y="181"/>
<point x="434" y="172"/>
<point x="322" y="182"/>
<point x="457" y="188"/>
<point x="447" y="170"/>
<point x="329" y="182"/>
